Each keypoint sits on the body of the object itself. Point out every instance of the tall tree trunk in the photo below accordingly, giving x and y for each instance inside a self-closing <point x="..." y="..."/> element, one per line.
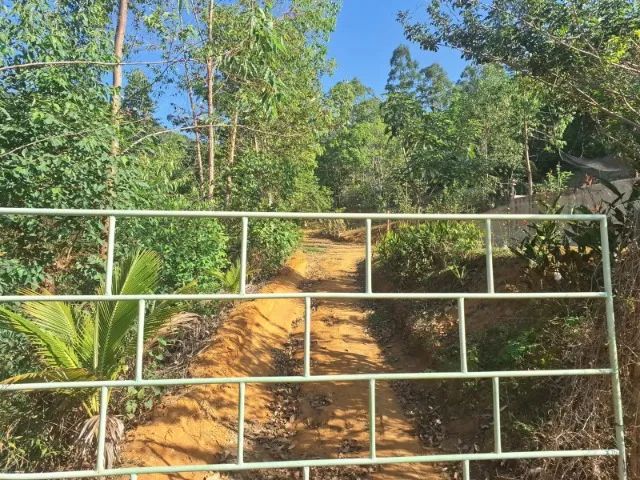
<point x="196" y="127"/>
<point x="232" y="155"/>
<point x="527" y="159"/>
<point x="116" y="100"/>
<point x="210" y="109"/>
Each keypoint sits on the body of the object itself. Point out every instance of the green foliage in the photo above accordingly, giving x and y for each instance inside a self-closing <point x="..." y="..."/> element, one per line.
<point x="622" y="213"/>
<point x="75" y="343"/>
<point x="467" y="136"/>
<point x="191" y="249"/>
<point x="565" y="252"/>
<point x="549" y="41"/>
<point x="434" y="88"/>
<point x="15" y="354"/>
<point x="360" y="163"/>
<point x="506" y="348"/>
<point x="271" y="242"/>
<point x="403" y="71"/>
<point x="545" y="243"/>
<point x="139" y="400"/>
<point x="137" y="102"/>
<point x="72" y="343"/>
<point x="29" y="437"/>
<point x="55" y="134"/>
<point x="57" y="144"/>
<point x="416" y="253"/>
<point x="556" y="182"/>
<point x="402" y="107"/>
<point x="28" y="434"/>
<point x="230" y="279"/>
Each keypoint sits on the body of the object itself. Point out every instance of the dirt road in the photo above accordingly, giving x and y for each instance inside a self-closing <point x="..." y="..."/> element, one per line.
<point x="334" y="419"/>
<point x="198" y="425"/>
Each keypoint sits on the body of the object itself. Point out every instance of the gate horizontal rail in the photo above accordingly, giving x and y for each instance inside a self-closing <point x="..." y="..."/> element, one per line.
<point x="338" y="462"/>
<point x="355" y="377"/>
<point x="369" y="380"/>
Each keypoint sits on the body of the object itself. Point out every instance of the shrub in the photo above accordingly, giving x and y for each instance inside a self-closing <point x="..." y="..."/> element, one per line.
<point x="271" y="242"/>
<point x="59" y="253"/>
<point x="191" y="249"/>
<point x="415" y="253"/>
<point x="544" y="244"/>
<point x="556" y="181"/>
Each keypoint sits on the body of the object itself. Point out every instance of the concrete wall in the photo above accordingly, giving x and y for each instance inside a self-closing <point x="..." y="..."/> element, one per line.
<point x="593" y="196"/>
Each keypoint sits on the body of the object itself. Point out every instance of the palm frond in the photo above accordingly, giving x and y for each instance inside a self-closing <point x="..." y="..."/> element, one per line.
<point x="164" y="316"/>
<point x="139" y="274"/>
<point x="113" y="436"/>
<point x="55" y="317"/>
<point x="52" y="375"/>
<point x="229" y="279"/>
<point x="85" y="340"/>
<point x="53" y="351"/>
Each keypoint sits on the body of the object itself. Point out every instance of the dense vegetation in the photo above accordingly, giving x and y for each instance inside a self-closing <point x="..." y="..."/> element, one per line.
<point x="252" y="129"/>
<point x="243" y="134"/>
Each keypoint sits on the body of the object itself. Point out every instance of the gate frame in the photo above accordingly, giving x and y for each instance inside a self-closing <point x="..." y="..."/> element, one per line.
<point x="307" y="377"/>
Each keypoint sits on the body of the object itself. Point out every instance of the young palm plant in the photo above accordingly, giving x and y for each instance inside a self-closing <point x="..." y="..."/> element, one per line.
<point x="75" y="343"/>
<point x="230" y="279"/>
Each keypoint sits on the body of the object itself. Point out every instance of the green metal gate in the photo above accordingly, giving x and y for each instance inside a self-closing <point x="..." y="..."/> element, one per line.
<point x="368" y="380"/>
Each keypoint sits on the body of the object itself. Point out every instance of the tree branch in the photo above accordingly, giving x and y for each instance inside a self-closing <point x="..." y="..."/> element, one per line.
<point x="63" y="63"/>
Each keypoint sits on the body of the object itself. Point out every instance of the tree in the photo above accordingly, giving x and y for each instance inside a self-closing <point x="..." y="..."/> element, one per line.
<point x="55" y="137"/>
<point x="587" y="51"/>
<point x="359" y="162"/>
<point x="486" y="119"/>
<point x="434" y="88"/>
<point x="401" y="107"/>
<point x="116" y="95"/>
<point x="211" y="144"/>
<point x="403" y="72"/>
<point x="137" y="102"/>
<point x="471" y="150"/>
<point x="74" y="344"/>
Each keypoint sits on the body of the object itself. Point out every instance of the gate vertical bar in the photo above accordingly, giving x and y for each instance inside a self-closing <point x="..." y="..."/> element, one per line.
<point x="307" y="336"/>
<point x="111" y="241"/>
<point x="613" y="351"/>
<point x="463" y="336"/>
<point x="466" y="474"/>
<point x="243" y="255"/>
<point x="368" y="254"/>
<point x="497" y="436"/>
<point x="241" y="396"/>
<point x="372" y="418"/>
<point x="489" y="256"/>
<point x="306" y="473"/>
<point x="102" y="428"/>
<point x="140" y="340"/>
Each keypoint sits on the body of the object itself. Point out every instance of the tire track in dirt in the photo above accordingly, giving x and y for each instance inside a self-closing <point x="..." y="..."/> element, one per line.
<point x="333" y="419"/>
<point x="198" y="425"/>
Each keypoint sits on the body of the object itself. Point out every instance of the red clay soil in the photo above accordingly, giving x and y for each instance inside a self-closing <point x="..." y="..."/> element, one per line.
<point x="198" y="424"/>
<point x="334" y="420"/>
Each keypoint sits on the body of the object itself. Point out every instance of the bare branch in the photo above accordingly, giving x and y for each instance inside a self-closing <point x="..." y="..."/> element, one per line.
<point x="63" y="63"/>
<point x="207" y="125"/>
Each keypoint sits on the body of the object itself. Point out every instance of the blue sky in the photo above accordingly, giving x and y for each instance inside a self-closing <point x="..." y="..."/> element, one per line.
<point x="365" y="36"/>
